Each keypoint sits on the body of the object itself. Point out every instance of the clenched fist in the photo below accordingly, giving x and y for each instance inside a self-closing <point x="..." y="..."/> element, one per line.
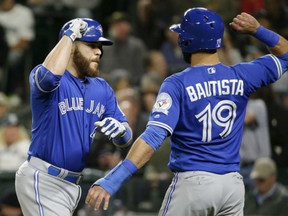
<point x="77" y="29"/>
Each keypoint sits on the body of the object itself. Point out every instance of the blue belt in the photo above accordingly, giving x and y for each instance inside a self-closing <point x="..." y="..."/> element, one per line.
<point x="71" y="177"/>
<point x="67" y="175"/>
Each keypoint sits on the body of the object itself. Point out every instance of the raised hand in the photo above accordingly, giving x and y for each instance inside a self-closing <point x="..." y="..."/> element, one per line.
<point x="245" y="23"/>
<point x="77" y="29"/>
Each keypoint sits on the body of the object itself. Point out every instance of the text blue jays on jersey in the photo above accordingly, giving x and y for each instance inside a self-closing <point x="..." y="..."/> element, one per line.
<point x="76" y="103"/>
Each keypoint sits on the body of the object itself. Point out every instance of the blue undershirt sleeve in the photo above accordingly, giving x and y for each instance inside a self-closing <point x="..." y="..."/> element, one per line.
<point x="154" y="136"/>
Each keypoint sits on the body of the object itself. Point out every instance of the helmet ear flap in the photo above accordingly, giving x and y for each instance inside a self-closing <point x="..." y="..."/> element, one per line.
<point x="185" y="44"/>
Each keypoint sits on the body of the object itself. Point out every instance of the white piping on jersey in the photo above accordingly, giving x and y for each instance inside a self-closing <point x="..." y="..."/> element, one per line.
<point x="278" y="65"/>
<point x="162" y="125"/>
<point x="38" y="82"/>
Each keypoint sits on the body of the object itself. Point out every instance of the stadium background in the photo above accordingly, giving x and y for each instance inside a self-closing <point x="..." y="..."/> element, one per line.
<point x="156" y="57"/>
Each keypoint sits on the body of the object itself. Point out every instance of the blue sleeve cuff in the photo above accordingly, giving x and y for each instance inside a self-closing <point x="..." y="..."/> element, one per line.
<point x="154" y="136"/>
<point x="125" y="139"/>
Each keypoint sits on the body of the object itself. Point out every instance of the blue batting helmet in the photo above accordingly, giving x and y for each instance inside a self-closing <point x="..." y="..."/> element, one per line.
<point x="200" y="29"/>
<point x="94" y="32"/>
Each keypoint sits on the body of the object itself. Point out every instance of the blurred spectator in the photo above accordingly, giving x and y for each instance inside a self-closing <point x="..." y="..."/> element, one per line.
<point x="269" y="197"/>
<point x="3" y="57"/>
<point x="279" y="124"/>
<point x="127" y="52"/>
<point x="9" y="205"/>
<point x="155" y="63"/>
<point x="256" y="139"/>
<point x="4" y="108"/>
<point x="227" y="15"/>
<point x="277" y="14"/>
<point x="281" y="86"/>
<point x="147" y="26"/>
<point x="103" y="156"/>
<point x="150" y="85"/>
<point x="18" y="22"/>
<point x="172" y="52"/>
<point x="251" y="6"/>
<point x="130" y="103"/>
<point x="13" y="150"/>
<point x="285" y="100"/>
<point x="119" y="79"/>
<point x="229" y="54"/>
<point x="278" y="118"/>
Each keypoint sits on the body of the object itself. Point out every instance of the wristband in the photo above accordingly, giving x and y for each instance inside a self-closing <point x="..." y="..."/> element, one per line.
<point x="125" y="139"/>
<point x="267" y="36"/>
<point x="72" y="35"/>
<point x="117" y="176"/>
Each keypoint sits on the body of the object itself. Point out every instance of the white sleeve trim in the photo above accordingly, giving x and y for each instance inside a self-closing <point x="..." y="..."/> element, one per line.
<point x="162" y="125"/>
<point x="38" y="82"/>
<point x="278" y="65"/>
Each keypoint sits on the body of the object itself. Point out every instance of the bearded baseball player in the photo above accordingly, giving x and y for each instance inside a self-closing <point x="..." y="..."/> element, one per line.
<point x="68" y="103"/>
<point x="202" y="108"/>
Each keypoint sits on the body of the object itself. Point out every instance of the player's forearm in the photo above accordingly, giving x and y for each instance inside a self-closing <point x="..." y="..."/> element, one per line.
<point x="58" y="58"/>
<point x="140" y="153"/>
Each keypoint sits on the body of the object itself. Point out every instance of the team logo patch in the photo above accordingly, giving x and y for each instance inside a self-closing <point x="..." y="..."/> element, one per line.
<point x="163" y="103"/>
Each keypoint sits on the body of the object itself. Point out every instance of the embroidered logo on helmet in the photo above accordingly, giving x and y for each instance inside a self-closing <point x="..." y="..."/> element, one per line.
<point x="163" y="103"/>
<point x="100" y="29"/>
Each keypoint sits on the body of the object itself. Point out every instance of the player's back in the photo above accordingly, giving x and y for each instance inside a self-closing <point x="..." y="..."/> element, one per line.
<point x="211" y="116"/>
<point x="203" y="108"/>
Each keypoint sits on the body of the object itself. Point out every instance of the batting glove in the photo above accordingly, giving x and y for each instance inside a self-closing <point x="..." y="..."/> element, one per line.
<point x="111" y="127"/>
<point x="77" y="29"/>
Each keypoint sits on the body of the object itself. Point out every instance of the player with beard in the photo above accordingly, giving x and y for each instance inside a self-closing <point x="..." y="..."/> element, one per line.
<point x="69" y="102"/>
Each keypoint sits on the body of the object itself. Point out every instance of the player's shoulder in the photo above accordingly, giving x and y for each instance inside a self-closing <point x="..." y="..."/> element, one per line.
<point x="178" y="76"/>
<point x="181" y="76"/>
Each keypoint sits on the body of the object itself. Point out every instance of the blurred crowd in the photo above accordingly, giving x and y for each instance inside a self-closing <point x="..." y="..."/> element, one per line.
<point x="144" y="53"/>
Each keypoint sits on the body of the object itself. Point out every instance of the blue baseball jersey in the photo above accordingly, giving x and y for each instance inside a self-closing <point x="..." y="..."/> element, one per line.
<point x="203" y="108"/>
<point x="64" y="109"/>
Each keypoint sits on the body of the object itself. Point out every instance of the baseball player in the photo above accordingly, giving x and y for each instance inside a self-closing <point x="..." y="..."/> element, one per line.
<point x="202" y="108"/>
<point x="67" y="98"/>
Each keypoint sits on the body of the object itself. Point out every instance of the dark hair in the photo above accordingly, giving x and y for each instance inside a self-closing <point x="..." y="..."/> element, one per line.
<point x="187" y="56"/>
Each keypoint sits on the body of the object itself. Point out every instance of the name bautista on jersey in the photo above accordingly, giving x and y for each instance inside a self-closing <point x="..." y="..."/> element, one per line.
<point x="215" y="88"/>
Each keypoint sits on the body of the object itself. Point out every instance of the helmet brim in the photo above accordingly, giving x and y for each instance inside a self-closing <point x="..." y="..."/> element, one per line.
<point x="175" y="28"/>
<point x="105" y="41"/>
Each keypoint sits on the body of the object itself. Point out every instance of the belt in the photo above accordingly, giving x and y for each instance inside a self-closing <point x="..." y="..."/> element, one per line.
<point x="67" y="175"/>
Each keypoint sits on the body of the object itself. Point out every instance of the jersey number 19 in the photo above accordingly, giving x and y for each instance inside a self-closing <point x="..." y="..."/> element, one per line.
<point x="210" y="115"/>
